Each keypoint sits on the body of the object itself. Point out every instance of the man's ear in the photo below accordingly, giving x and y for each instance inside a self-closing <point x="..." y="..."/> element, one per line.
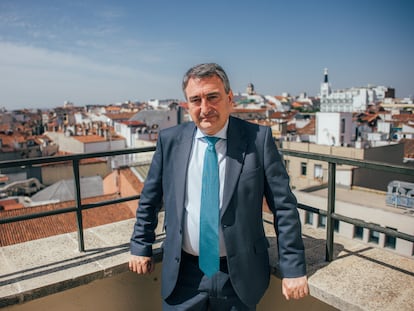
<point x="230" y="95"/>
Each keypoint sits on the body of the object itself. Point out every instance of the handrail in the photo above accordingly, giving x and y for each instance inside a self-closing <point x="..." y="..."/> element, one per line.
<point x="72" y="157"/>
<point x="394" y="168"/>
<point x="330" y="213"/>
<point x="79" y="207"/>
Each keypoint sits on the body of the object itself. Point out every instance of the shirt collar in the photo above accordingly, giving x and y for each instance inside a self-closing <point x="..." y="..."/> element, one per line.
<point x="220" y="134"/>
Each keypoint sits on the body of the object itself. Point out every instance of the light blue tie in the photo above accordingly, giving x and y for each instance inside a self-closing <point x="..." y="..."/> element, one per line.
<point x="209" y="211"/>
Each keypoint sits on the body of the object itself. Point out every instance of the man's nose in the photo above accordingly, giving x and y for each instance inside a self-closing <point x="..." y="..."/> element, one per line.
<point x="205" y="105"/>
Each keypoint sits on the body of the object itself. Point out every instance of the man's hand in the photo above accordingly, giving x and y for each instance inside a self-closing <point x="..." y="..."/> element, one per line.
<point x="141" y="264"/>
<point x="295" y="288"/>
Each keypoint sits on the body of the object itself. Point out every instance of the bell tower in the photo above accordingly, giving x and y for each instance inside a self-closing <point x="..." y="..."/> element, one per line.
<point x="325" y="86"/>
<point x="250" y="89"/>
<point x="325" y="90"/>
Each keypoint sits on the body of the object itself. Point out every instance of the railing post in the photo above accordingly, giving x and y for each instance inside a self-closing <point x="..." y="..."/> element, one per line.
<point x="78" y="199"/>
<point x="331" y="210"/>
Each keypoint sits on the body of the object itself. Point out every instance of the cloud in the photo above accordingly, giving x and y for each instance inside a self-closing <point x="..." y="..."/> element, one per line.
<point x="29" y="57"/>
<point x="32" y="76"/>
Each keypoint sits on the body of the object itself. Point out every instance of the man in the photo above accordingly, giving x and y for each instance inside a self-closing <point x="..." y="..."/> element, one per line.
<point x="249" y="167"/>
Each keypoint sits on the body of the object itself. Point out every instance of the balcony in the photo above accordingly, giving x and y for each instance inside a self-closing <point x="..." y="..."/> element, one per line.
<point x="88" y="269"/>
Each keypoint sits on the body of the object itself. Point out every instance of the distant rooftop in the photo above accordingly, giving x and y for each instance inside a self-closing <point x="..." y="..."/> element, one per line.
<point x="64" y="190"/>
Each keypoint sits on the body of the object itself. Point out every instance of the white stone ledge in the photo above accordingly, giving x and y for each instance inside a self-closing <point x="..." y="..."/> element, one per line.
<point x="360" y="278"/>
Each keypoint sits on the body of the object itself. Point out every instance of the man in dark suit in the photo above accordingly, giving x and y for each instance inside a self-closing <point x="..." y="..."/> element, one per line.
<point x="249" y="168"/>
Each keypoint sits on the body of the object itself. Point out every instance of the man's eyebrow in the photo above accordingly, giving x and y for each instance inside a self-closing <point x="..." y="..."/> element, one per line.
<point x="194" y="97"/>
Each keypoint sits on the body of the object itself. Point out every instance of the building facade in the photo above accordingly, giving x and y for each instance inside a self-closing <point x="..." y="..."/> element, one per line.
<point x="354" y="99"/>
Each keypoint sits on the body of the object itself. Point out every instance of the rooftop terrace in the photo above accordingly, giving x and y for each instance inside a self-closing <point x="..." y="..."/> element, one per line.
<point x="51" y="272"/>
<point x="80" y="271"/>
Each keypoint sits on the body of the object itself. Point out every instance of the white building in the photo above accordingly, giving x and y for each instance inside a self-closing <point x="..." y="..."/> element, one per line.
<point x="334" y="128"/>
<point x="349" y="100"/>
<point x="87" y="143"/>
<point x="162" y="103"/>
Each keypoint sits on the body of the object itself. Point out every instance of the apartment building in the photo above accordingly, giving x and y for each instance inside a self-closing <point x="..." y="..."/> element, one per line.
<point x="355" y="99"/>
<point x="360" y="193"/>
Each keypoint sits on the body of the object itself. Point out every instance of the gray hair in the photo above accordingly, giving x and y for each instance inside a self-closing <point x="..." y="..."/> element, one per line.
<point x="207" y="70"/>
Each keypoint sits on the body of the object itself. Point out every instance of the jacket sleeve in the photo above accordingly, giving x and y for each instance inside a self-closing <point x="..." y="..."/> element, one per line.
<point x="150" y="203"/>
<point x="283" y="205"/>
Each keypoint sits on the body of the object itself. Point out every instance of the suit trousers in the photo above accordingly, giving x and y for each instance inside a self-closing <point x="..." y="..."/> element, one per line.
<point x="196" y="292"/>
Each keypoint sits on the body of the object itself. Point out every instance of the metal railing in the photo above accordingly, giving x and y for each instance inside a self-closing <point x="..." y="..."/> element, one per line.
<point x="332" y="161"/>
<point x="79" y="207"/>
<point x="330" y="214"/>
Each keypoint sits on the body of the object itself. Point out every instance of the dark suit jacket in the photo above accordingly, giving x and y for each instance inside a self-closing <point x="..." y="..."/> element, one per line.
<point x="253" y="170"/>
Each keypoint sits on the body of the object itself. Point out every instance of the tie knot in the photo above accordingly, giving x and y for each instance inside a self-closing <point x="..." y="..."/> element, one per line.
<point x="211" y="140"/>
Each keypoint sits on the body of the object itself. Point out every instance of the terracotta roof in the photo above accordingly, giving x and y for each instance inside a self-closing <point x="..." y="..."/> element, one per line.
<point x="112" y="108"/>
<point x="4" y="127"/>
<point x="297" y="104"/>
<point x="291" y="127"/>
<point x="283" y="115"/>
<point x="27" y="230"/>
<point x="10" y="204"/>
<point x="132" y="179"/>
<point x="366" y="117"/>
<point x="403" y="117"/>
<point x="89" y="138"/>
<point x="95" y="138"/>
<point x="235" y="109"/>
<point x="308" y="129"/>
<point x="120" y="116"/>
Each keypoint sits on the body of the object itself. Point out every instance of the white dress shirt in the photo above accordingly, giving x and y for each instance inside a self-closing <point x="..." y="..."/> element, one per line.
<point x="191" y="232"/>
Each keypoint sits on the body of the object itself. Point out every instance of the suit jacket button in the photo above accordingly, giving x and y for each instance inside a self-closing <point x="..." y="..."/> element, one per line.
<point x="177" y="259"/>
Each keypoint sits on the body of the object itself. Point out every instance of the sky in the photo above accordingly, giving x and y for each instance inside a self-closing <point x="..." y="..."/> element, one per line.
<point x="97" y="52"/>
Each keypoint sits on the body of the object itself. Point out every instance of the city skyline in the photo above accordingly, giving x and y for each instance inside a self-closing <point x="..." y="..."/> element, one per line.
<point x="103" y="52"/>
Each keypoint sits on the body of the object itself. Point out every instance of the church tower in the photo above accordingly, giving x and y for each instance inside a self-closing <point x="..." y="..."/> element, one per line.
<point x="250" y="89"/>
<point x="325" y="86"/>
<point x="325" y="90"/>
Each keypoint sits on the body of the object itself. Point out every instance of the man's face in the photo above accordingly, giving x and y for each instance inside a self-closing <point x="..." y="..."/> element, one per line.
<point x="208" y="103"/>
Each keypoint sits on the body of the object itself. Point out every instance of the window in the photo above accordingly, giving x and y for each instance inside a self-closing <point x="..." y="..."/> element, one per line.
<point x="303" y="168"/>
<point x="373" y="236"/>
<point x="358" y="232"/>
<point x="336" y="225"/>
<point x="322" y="221"/>
<point x="308" y="218"/>
<point x="390" y="241"/>
<point x="318" y="172"/>
<point x="342" y="126"/>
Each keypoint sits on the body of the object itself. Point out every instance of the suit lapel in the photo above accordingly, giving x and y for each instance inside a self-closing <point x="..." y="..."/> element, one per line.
<point x="236" y="148"/>
<point x="183" y="147"/>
